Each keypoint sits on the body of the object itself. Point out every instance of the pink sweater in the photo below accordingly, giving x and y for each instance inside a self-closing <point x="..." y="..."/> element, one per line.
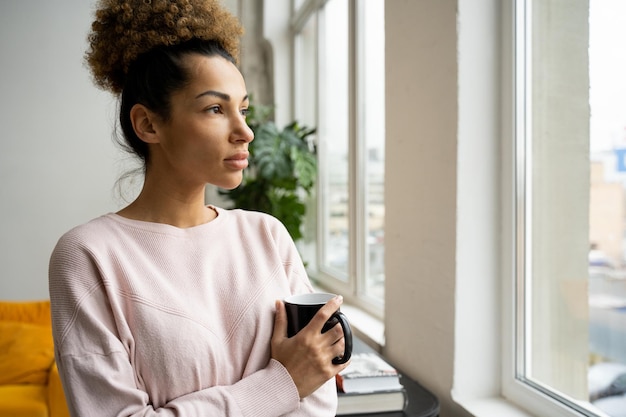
<point x="150" y="319"/>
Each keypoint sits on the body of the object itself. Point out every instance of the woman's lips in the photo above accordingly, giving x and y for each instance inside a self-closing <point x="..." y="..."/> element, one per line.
<point x="237" y="161"/>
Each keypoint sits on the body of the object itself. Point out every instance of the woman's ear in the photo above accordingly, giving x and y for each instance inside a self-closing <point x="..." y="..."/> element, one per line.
<point x="143" y="123"/>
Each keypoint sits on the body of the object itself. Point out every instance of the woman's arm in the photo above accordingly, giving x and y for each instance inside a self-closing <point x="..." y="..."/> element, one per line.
<point x="104" y="386"/>
<point x="97" y="365"/>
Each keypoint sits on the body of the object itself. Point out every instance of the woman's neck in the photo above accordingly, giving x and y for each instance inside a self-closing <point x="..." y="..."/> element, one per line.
<point x="182" y="210"/>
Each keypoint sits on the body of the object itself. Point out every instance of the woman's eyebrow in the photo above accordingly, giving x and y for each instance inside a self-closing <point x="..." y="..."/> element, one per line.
<point x="218" y="94"/>
<point x="214" y="93"/>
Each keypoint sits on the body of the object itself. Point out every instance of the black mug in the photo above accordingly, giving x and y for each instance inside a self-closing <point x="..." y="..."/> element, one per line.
<point x="302" y="307"/>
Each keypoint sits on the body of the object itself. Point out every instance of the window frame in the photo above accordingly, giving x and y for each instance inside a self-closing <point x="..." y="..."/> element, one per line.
<point x="352" y="286"/>
<point x="516" y="192"/>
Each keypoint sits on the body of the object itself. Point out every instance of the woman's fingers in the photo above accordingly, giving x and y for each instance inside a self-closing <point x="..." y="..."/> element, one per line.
<point x="324" y="314"/>
<point x="308" y="355"/>
<point x="280" y="321"/>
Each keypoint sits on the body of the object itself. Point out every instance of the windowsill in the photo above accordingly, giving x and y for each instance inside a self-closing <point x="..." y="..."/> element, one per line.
<point x="492" y="407"/>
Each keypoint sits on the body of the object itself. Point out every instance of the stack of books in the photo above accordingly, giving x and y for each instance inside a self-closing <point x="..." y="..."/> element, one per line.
<point x="369" y="385"/>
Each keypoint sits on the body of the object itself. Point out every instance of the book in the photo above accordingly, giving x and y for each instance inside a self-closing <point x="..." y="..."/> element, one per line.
<point x="371" y="402"/>
<point x="369" y="385"/>
<point x="368" y="372"/>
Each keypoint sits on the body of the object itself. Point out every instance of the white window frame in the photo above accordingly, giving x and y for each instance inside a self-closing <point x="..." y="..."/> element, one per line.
<point x="534" y="397"/>
<point x="353" y="286"/>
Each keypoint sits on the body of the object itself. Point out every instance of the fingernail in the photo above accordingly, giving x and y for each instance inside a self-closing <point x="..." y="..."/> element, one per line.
<point x="339" y="298"/>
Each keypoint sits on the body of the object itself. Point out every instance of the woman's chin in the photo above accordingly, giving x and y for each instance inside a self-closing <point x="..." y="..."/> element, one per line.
<point x="229" y="185"/>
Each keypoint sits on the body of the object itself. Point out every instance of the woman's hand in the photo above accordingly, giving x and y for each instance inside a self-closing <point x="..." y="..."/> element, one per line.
<point x="308" y="355"/>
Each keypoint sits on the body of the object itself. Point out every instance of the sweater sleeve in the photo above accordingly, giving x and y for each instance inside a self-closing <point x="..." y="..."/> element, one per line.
<point x="103" y="385"/>
<point x="95" y="366"/>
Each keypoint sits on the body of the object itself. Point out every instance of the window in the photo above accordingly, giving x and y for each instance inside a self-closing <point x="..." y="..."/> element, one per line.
<point x="339" y="88"/>
<point x="570" y="208"/>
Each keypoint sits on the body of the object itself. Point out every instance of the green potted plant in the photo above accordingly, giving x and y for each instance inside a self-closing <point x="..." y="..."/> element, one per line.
<point x="281" y="172"/>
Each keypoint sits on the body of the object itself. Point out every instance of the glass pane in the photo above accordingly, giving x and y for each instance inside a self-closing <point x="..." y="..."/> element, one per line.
<point x="559" y="181"/>
<point x="305" y="112"/>
<point x="333" y="133"/>
<point x="574" y="346"/>
<point x="305" y="73"/>
<point x="607" y="208"/>
<point x="372" y="92"/>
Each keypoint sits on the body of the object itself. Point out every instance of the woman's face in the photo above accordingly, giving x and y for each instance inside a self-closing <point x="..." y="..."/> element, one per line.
<point x="206" y="137"/>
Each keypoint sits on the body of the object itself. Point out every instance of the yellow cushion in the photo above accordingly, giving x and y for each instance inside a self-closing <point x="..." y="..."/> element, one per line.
<point x="56" y="397"/>
<point x="26" y="353"/>
<point x="35" y="312"/>
<point x="23" y="401"/>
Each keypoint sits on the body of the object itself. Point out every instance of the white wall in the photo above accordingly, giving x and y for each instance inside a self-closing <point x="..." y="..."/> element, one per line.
<point x="479" y="178"/>
<point x="442" y="317"/>
<point x="57" y="159"/>
<point x="421" y="190"/>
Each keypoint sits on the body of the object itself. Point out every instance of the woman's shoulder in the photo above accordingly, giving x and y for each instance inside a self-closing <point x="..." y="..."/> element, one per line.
<point x="249" y="221"/>
<point x="92" y="231"/>
<point x="251" y="217"/>
<point x="76" y="248"/>
<point x="91" y="226"/>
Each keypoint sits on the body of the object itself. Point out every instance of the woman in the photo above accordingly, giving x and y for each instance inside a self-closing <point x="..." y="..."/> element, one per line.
<point x="169" y="306"/>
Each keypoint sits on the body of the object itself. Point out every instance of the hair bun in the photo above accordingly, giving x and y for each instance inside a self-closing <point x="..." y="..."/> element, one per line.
<point x="124" y="29"/>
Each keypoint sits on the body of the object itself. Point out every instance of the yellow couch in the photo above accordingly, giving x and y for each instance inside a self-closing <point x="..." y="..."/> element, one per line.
<point x="29" y="379"/>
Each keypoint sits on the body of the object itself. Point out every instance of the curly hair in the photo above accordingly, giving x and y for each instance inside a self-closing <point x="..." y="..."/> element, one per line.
<point x="125" y="29"/>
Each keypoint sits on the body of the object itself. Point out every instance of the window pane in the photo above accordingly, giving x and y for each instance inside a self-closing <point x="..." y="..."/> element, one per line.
<point x="305" y="73"/>
<point x="607" y="211"/>
<point x="559" y="184"/>
<point x="334" y="140"/>
<point x="305" y="112"/>
<point x="573" y="318"/>
<point x="340" y="85"/>
<point x="372" y="91"/>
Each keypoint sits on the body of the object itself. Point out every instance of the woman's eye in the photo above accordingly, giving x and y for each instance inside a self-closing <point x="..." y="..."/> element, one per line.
<point x="245" y="112"/>
<point x="213" y="109"/>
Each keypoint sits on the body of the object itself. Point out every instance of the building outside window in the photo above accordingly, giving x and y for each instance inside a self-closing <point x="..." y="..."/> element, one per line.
<point x="339" y="88"/>
<point x="569" y="355"/>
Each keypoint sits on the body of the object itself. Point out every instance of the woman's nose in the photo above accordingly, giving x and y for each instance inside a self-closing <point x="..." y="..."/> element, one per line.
<point x="242" y="131"/>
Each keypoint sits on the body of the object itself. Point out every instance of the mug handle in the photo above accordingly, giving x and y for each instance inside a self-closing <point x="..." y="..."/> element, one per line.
<point x="347" y="336"/>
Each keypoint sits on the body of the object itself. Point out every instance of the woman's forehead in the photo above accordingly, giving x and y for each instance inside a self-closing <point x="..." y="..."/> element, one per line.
<point x="215" y="73"/>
